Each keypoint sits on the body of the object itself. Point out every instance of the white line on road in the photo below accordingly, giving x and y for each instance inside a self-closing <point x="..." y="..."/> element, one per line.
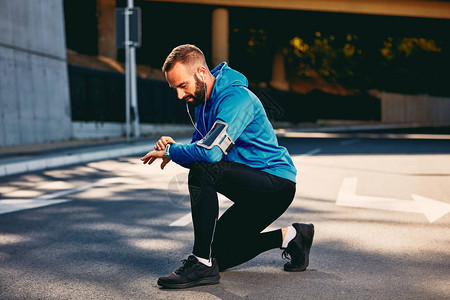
<point x="186" y="219"/>
<point x="312" y="152"/>
<point x="13" y="205"/>
<point x="183" y="221"/>
<point x="71" y="191"/>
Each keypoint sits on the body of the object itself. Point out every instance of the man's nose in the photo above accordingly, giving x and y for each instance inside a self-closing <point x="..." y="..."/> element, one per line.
<point x="180" y="94"/>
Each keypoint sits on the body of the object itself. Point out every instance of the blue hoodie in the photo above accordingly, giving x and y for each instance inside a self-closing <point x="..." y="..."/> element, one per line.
<point x="256" y="144"/>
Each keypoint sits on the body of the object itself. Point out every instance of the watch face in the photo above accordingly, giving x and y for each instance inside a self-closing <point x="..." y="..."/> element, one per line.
<point x="166" y="151"/>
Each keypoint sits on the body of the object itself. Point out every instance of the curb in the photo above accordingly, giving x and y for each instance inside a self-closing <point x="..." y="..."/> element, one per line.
<point x="57" y="161"/>
<point x="67" y="159"/>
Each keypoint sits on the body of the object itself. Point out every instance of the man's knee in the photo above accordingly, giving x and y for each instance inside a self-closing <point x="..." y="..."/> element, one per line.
<point x="203" y="173"/>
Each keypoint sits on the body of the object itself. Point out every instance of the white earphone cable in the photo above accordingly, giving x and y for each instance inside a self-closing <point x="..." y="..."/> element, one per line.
<point x="204" y="105"/>
<point x="192" y="121"/>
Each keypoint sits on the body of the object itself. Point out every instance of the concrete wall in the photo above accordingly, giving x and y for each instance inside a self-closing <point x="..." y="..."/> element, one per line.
<point x="34" y="92"/>
<point x="420" y="109"/>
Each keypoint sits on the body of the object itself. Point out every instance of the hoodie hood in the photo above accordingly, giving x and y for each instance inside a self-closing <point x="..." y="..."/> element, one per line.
<point x="226" y="77"/>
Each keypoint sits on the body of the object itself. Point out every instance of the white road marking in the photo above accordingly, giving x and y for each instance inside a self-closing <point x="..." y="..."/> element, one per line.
<point x="71" y="191"/>
<point x="183" y="221"/>
<point x="13" y="205"/>
<point x="312" y="152"/>
<point x="187" y="219"/>
<point x="432" y="209"/>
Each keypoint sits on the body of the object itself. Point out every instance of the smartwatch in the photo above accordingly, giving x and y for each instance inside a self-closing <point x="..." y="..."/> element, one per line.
<point x="166" y="151"/>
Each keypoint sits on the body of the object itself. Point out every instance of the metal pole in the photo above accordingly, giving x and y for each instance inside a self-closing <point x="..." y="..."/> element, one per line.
<point x="133" y="82"/>
<point x="127" y="73"/>
<point x="132" y="78"/>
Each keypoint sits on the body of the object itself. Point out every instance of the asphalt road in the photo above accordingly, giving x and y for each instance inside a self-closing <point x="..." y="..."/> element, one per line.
<point x="108" y="231"/>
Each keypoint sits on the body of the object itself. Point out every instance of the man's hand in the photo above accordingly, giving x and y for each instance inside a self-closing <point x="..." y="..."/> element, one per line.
<point x="160" y="146"/>
<point x="153" y="155"/>
<point x="163" y="141"/>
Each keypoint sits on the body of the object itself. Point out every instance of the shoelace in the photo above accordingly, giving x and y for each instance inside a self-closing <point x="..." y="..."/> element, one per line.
<point x="289" y="253"/>
<point x="285" y="254"/>
<point x="187" y="263"/>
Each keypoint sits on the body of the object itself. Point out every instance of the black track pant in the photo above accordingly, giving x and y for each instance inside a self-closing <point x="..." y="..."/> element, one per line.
<point x="258" y="199"/>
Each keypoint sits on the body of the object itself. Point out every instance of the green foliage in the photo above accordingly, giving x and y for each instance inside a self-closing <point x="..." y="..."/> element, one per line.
<point x="406" y="47"/>
<point x="330" y="57"/>
<point x="405" y="64"/>
<point x="363" y="61"/>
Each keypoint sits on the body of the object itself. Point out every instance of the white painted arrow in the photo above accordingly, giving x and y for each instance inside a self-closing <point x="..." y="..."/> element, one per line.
<point x="432" y="209"/>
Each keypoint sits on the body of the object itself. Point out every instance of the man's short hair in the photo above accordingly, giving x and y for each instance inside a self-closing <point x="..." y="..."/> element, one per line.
<point x="186" y="54"/>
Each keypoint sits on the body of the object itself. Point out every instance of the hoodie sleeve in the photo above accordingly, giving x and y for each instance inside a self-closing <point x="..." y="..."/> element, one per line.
<point x="186" y="154"/>
<point x="236" y="109"/>
<point x="237" y="112"/>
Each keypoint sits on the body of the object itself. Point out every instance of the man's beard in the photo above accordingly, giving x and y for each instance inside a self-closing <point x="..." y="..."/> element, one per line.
<point x="199" y="94"/>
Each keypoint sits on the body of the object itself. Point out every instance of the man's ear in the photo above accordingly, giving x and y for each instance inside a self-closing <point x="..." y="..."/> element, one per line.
<point x="202" y="72"/>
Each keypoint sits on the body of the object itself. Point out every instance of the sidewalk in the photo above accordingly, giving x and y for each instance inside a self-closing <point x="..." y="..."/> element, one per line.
<point x="31" y="158"/>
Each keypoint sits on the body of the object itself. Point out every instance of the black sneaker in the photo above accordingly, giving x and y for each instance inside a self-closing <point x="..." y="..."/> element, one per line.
<point x="191" y="273"/>
<point x="298" y="249"/>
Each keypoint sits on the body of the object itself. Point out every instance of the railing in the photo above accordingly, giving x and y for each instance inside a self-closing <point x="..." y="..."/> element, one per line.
<point x="100" y="96"/>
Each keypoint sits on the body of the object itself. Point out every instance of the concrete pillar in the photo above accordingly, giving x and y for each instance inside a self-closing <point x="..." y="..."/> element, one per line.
<point x="279" y="72"/>
<point x="220" y="36"/>
<point x="105" y="16"/>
